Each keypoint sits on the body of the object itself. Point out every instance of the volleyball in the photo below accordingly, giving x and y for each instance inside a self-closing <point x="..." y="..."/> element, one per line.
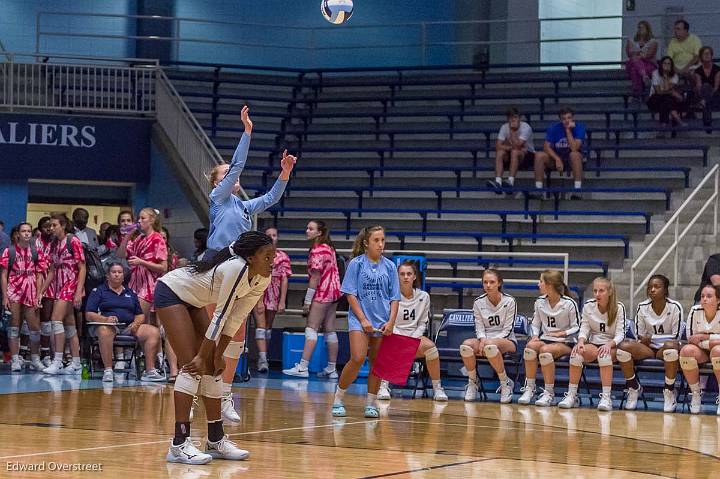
<point x="336" y="11"/>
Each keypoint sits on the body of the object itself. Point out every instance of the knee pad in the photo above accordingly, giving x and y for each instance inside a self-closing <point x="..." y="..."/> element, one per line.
<point x="546" y="358"/>
<point x="34" y="336"/>
<point x="529" y="354"/>
<point x="491" y="351"/>
<point x="234" y="350"/>
<point x="715" y="363"/>
<point x="70" y="332"/>
<point x="310" y="334"/>
<point x="187" y="384"/>
<point x="432" y="354"/>
<point x="260" y="333"/>
<point x="466" y="351"/>
<point x="13" y="332"/>
<point x="688" y="364"/>
<point x="331" y="337"/>
<point x="670" y="355"/>
<point x="577" y="361"/>
<point x="268" y="334"/>
<point x="605" y="360"/>
<point x="58" y="327"/>
<point x="46" y="328"/>
<point x="622" y="356"/>
<point x="24" y="329"/>
<point x="210" y="387"/>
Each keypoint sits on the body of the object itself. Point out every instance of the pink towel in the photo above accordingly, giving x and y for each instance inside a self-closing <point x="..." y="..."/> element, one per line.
<point x="395" y="358"/>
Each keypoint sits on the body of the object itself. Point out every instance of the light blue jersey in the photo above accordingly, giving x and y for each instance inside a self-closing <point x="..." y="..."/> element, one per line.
<point x="375" y="285"/>
<point x="229" y="215"/>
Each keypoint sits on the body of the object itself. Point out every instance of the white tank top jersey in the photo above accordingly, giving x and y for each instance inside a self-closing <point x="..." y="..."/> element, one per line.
<point x="413" y="314"/>
<point x="565" y="316"/>
<point x="697" y="324"/>
<point x="594" y="327"/>
<point x="227" y="286"/>
<point x="661" y="328"/>
<point x="495" y="322"/>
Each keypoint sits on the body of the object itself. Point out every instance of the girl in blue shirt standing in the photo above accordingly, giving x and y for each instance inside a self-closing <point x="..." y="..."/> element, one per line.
<point x="373" y="292"/>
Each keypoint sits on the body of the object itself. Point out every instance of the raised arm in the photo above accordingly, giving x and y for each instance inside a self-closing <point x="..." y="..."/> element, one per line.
<point x="262" y="203"/>
<point x="224" y="188"/>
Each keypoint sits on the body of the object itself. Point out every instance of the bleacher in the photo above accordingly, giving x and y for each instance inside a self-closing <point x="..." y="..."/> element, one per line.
<point x="413" y="148"/>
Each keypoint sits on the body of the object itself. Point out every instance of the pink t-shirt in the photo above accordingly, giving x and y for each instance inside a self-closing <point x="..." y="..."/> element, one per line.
<point x="322" y="259"/>
<point x="150" y="248"/>
<point x="22" y="280"/>
<point x="281" y="269"/>
<point x="67" y="268"/>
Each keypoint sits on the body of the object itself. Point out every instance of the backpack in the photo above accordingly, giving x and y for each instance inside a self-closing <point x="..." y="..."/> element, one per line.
<point x="94" y="270"/>
<point x="12" y="254"/>
<point x="341" y="261"/>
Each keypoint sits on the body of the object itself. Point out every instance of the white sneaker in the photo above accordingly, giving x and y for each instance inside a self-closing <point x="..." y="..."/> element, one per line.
<point x="263" y="366"/>
<point x="55" y="368"/>
<point x="696" y="402"/>
<point x="439" y="395"/>
<point x="47" y="361"/>
<point x="192" y="407"/>
<point x="37" y="365"/>
<point x="571" y="400"/>
<point x="152" y="376"/>
<point x="632" y="398"/>
<point x="546" y="399"/>
<point x="187" y="453"/>
<point x="227" y="407"/>
<point x="506" y="391"/>
<point x="471" y="390"/>
<point x="296" y="371"/>
<point x="605" y="403"/>
<point x="108" y="376"/>
<point x="17" y="365"/>
<point x="528" y="393"/>
<point x="226" y="449"/>
<point x="72" y="369"/>
<point x="384" y="391"/>
<point x="328" y="373"/>
<point x="120" y="365"/>
<point x="670" y="402"/>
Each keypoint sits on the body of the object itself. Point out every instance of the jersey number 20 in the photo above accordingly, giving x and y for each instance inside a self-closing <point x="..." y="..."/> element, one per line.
<point x="494" y="320"/>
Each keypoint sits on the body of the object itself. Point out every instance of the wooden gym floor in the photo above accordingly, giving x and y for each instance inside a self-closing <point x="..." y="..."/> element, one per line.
<point x="287" y="427"/>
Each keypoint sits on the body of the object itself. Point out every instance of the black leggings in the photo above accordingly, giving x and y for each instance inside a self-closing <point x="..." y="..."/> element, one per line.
<point x="663" y="105"/>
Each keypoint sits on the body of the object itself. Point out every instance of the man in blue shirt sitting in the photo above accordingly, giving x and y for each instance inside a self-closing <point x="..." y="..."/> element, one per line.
<point x="565" y="145"/>
<point x="119" y="309"/>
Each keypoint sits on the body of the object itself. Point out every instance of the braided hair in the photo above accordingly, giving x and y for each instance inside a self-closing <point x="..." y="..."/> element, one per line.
<point x="246" y="245"/>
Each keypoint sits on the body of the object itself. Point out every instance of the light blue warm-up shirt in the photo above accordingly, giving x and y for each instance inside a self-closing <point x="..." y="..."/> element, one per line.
<point x="375" y="285"/>
<point x="229" y="215"/>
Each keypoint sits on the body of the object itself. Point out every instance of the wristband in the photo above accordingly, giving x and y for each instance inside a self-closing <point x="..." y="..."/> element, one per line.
<point x="309" y="296"/>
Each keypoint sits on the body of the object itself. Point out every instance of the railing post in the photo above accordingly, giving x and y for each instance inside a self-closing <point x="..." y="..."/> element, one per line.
<point x="677" y="252"/>
<point x="566" y="267"/>
<point x="11" y="82"/>
<point x="632" y="288"/>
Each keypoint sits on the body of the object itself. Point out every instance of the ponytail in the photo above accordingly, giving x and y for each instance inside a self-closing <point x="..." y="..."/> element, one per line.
<point x="245" y="246"/>
<point x="362" y="237"/>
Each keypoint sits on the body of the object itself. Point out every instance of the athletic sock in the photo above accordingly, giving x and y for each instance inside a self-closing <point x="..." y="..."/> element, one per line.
<point x="472" y="375"/>
<point x="215" y="430"/>
<point x="498" y="180"/>
<point x="607" y="389"/>
<point x="695" y="387"/>
<point x="531" y="383"/>
<point x="550" y="388"/>
<point x="76" y="361"/>
<point x="330" y="366"/>
<point x="511" y="180"/>
<point x="572" y="388"/>
<point x="670" y="383"/>
<point x="538" y="185"/>
<point x="262" y="355"/>
<point x="503" y="377"/>
<point x="632" y="382"/>
<point x="304" y="364"/>
<point x="227" y="389"/>
<point x="182" y="432"/>
<point x="436" y="384"/>
<point x="339" y="395"/>
<point x="578" y="185"/>
<point x="58" y="357"/>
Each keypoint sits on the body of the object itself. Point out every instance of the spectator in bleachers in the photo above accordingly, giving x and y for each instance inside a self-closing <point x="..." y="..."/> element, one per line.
<point x="126" y="223"/>
<point x="4" y="238"/>
<point x="665" y="98"/>
<point x="44" y="243"/>
<point x="703" y="335"/>
<point x="514" y="148"/>
<point x="555" y="324"/>
<point x="200" y="237"/>
<point x="710" y="275"/>
<point x="119" y="307"/>
<point x="602" y="329"/>
<point x="657" y="331"/>
<point x="564" y="148"/>
<point x="707" y="84"/>
<point x="102" y="232"/>
<point x="494" y="313"/>
<point x="173" y="257"/>
<point x="86" y="235"/>
<point x="641" y="51"/>
<point x="684" y="49"/>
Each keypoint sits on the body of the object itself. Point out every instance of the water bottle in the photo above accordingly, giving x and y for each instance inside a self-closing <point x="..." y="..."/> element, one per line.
<point x="85" y="370"/>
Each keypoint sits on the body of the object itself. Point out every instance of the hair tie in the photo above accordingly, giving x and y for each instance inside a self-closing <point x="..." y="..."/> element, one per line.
<point x="232" y="251"/>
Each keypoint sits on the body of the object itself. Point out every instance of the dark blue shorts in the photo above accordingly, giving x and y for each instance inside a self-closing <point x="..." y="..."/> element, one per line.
<point x="165" y="297"/>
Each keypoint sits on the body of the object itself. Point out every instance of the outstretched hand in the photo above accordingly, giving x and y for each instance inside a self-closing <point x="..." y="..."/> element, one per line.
<point x="245" y="117"/>
<point x="287" y="163"/>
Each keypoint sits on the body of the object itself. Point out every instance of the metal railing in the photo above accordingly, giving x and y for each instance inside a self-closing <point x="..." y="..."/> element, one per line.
<point x="678" y="235"/>
<point x="420" y="38"/>
<point x="71" y="83"/>
<point x="196" y="150"/>
<point x="565" y="257"/>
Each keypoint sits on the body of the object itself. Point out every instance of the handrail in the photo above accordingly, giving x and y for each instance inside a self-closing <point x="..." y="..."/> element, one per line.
<point x="675" y="222"/>
<point x="564" y="256"/>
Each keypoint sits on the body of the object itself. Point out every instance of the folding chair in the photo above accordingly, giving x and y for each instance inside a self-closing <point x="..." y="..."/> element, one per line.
<point x="125" y="341"/>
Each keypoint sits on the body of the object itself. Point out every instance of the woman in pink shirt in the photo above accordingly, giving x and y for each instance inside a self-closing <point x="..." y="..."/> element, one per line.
<point x="321" y="300"/>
